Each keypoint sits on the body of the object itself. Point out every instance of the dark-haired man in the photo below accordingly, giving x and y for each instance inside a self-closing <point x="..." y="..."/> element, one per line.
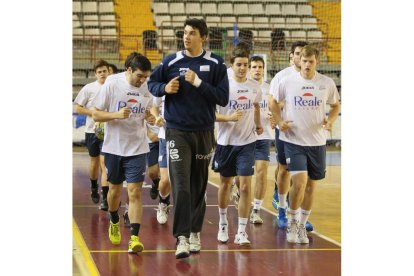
<point x="193" y="82"/>
<point x="123" y="103"/>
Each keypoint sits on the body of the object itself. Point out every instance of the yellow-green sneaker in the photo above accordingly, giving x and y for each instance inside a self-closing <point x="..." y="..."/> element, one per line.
<point x="134" y="245"/>
<point x="114" y="233"/>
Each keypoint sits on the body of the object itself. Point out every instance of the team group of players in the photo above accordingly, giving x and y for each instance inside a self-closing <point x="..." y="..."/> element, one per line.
<point x="164" y="122"/>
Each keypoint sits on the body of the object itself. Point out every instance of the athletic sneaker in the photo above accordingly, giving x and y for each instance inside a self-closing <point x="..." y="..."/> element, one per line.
<point x="223" y="233"/>
<point x="282" y="221"/>
<point x="195" y="243"/>
<point x="134" y="245"/>
<point x="114" y="233"/>
<point x="241" y="239"/>
<point x="255" y="217"/>
<point x="104" y="205"/>
<point x="275" y="200"/>
<point x="309" y="226"/>
<point x="292" y="232"/>
<point x="183" y="248"/>
<point x="162" y="213"/>
<point x="302" y="235"/>
<point x="126" y="219"/>
<point x="95" y="195"/>
<point x="154" y="191"/>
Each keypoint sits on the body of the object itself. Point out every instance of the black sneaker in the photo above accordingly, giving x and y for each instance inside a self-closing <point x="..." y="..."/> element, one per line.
<point x="154" y="191"/>
<point x="104" y="205"/>
<point x="95" y="195"/>
<point x="126" y="219"/>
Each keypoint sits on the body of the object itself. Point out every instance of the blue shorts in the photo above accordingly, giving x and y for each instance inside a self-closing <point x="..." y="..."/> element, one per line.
<point x="262" y="150"/>
<point x="280" y="147"/>
<point x="152" y="155"/>
<point x="234" y="160"/>
<point x="129" y="168"/>
<point x="93" y="144"/>
<point x="162" y="153"/>
<point x="311" y="159"/>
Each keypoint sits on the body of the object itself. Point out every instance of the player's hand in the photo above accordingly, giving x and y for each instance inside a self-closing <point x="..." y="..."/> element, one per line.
<point x="159" y="122"/>
<point x="236" y="115"/>
<point x="272" y="120"/>
<point x="173" y="86"/>
<point x="124" y="112"/>
<point x="190" y="76"/>
<point x="149" y="117"/>
<point x="284" y="125"/>
<point x="259" y="130"/>
<point x="327" y="125"/>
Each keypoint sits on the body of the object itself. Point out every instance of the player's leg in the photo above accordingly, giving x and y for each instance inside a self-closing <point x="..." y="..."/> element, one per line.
<point x="153" y="168"/>
<point x="104" y="183"/>
<point x="92" y="144"/>
<point x="283" y="182"/>
<point x="165" y="185"/>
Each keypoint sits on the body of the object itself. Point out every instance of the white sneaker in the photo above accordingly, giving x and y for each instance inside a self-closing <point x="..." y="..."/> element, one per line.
<point x="195" y="243"/>
<point x="241" y="239"/>
<point x="255" y="218"/>
<point x="162" y="213"/>
<point x="302" y="234"/>
<point x="183" y="248"/>
<point x="223" y="233"/>
<point x="292" y="232"/>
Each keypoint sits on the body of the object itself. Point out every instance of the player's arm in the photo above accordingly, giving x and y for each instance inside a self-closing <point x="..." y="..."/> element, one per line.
<point x="333" y="115"/>
<point x="277" y="114"/>
<point x="233" y="117"/>
<point x="104" y="116"/>
<point x="258" y="123"/>
<point x="152" y="136"/>
<point x="82" y="110"/>
<point x="159" y="120"/>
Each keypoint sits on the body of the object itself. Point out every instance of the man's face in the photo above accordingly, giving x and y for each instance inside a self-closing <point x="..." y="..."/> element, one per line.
<point x="192" y="39"/>
<point x="138" y="77"/>
<point x="256" y="70"/>
<point x="308" y="65"/>
<point x="240" y="66"/>
<point x="101" y="73"/>
<point x="296" y="57"/>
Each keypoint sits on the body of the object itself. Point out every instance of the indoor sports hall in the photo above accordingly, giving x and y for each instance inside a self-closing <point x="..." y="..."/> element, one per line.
<point x="111" y="30"/>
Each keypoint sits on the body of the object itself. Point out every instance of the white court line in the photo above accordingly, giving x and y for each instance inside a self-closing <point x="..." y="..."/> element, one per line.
<point x="273" y="213"/>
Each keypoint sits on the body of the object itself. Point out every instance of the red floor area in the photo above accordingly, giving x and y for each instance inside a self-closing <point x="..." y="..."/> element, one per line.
<point x="269" y="253"/>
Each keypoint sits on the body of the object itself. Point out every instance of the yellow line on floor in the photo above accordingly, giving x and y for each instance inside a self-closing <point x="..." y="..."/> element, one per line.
<point x="227" y="250"/>
<point x="93" y="270"/>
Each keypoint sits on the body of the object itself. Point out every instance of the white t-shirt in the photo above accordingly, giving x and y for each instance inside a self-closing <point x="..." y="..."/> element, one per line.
<point x="124" y="137"/>
<point x="306" y="105"/>
<point x="278" y="77"/>
<point x="154" y="129"/>
<point x="85" y="98"/>
<point x="159" y="101"/>
<point x="241" y="96"/>
<point x="268" y="132"/>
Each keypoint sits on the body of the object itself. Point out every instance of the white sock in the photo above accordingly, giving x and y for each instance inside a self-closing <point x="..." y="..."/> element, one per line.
<point x="305" y="216"/>
<point x="242" y="225"/>
<point x="126" y="207"/>
<point x="223" y="216"/>
<point x="283" y="201"/>
<point x="257" y="204"/>
<point x="294" y="215"/>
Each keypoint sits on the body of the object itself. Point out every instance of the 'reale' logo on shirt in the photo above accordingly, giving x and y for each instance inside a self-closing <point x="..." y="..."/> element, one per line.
<point x="307" y="101"/>
<point x="241" y="103"/>
<point x="134" y="105"/>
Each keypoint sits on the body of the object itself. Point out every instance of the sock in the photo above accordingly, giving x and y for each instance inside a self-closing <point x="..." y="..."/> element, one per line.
<point x="242" y="225"/>
<point x="135" y="229"/>
<point x="257" y="203"/>
<point x="223" y="216"/>
<point x="294" y="214"/>
<point x="305" y="216"/>
<point x="126" y="207"/>
<point x="114" y="217"/>
<point x="165" y="199"/>
<point x="283" y="201"/>
<point x="94" y="184"/>
<point x="156" y="182"/>
<point x="105" y="190"/>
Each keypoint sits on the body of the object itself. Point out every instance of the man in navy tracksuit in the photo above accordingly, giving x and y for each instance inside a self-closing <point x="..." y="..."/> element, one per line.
<point x="194" y="81"/>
